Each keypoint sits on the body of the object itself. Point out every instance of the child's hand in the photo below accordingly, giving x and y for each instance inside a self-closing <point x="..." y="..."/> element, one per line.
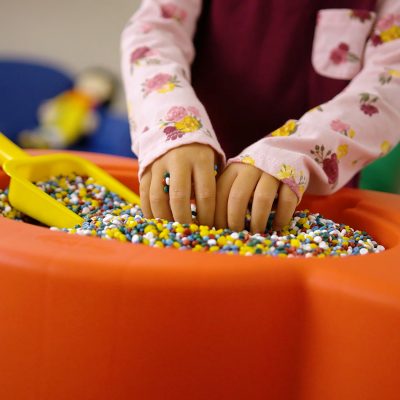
<point x="237" y="184"/>
<point x="184" y="163"/>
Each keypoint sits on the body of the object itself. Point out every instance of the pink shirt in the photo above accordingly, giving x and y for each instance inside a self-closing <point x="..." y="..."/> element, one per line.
<point x="319" y="149"/>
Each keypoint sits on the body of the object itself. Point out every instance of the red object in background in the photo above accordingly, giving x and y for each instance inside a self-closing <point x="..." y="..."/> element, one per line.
<point x="83" y="318"/>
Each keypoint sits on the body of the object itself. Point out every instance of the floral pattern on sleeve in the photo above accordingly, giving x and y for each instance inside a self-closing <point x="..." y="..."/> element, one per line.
<point x="160" y="83"/>
<point x="385" y="148"/>
<point x="172" y="11"/>
<point x="328" y="161"/>
<point x="316" y="108"/>
<point x="367" y="104"/>
<point x="294" y="179"/>
<point x="287" y="129"/>
<point x="342" y="151"/>
<point x="247" y="159"/>
<point x="339" y="126"/>
<point x="388" y="75"/>
<point x="180" y="121"/>
<point x="361" y="15"/>
<point x="144" y="55"/>
<point x="342" y="53"/>
<point x="386" y="30"/>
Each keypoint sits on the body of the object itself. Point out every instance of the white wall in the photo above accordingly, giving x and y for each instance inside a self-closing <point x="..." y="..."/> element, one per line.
<point x="74" y="34"/>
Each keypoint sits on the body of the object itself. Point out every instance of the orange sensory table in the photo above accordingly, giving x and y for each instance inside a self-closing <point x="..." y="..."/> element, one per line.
<point x="84" y="318"/>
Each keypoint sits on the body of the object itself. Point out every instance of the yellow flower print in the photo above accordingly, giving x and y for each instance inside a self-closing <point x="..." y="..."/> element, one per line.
<point x="316" y="108"/>
<point x="394" y="72"/>
<point x="246" y="159"/>
<point x="391" y="34"/>
<point x="351" y="132"/>
<point x="342" y="151"/>
<point x="188" y="124"/>
<point x="181" y="120"/>
<point x="385" y="147"/>
<point x="168" y="87"/>
<point x="286" y="172"/>
<point x="288" y="129"/>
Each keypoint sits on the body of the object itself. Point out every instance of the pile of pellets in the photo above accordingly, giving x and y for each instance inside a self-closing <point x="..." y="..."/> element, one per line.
<point x="108" y="216"/>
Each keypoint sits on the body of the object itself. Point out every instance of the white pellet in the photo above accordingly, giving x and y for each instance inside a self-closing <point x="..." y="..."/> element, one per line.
<point x="323" y="245"/>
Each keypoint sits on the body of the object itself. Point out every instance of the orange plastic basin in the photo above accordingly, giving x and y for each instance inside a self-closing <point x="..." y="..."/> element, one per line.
<point x="83" y="318"/>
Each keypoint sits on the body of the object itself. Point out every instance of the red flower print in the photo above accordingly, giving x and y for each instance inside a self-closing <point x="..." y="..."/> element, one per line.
<point x="369" y="109"/>
<point x="386" y="29"/>
<point x="329" y="164"/>
<point x="337" y="56"/>
<point x="362" y="15"/>
<point x="376" y="40"/>
<point x="169" y="129"/>
<point x="367" y="106"/>
<point x="341" y="54"/>
<point x="171" y="10"/>
<point x="172" y="133"/>
<point x="331" y="168"/>
<point x="139" y="53"/>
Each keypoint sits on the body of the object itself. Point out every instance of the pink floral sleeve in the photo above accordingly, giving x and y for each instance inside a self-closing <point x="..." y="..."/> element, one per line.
<point x="325" y="148"/>
<point x="157" y="51"/>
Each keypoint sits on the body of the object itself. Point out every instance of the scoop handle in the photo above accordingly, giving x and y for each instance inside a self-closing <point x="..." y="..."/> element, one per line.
<point x="9" y="150"/>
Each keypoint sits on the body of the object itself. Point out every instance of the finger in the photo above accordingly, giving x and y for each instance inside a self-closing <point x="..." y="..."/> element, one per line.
<point x="287" y="202"/>
<point x="145" y="194"/>
<point x="205" y="189"/>
<point x="159" y="200"/>
<point x="263" y="198"/>
<point x="179" y="193"/>
<point x="239" y="196"/>
<point x="224" y="184"/>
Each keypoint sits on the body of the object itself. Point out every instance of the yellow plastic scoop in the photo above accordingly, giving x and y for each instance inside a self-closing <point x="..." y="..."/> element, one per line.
<point x="26" y="197"/>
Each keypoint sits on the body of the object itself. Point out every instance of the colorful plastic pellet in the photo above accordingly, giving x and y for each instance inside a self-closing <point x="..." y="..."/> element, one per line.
<point x="108" y="216"/>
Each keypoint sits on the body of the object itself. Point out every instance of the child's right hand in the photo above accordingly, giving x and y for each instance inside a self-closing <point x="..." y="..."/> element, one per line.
<point x="184" y="164"/>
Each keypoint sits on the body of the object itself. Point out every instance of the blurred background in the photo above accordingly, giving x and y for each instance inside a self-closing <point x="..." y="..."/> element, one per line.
<point x="72" y="35"/>
<point x="46" y="48"/>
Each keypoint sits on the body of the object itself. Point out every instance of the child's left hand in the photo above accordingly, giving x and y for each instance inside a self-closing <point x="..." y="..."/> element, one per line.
<point x="237" y="184"/>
